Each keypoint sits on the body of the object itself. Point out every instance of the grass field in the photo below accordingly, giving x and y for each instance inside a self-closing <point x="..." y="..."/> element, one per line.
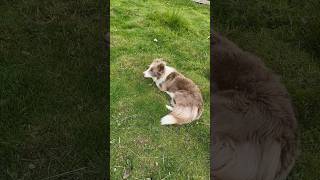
<point x="286" y="35"/>
<point x="52" y="90"/>
<point x="140" y="146"/>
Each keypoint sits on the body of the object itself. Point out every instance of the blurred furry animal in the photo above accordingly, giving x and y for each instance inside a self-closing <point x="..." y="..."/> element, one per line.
<point x="254" y="127"/>
<point x="186" y="98"/>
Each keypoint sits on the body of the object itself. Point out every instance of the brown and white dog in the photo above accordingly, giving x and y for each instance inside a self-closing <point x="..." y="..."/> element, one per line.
<point x="186" y="99"/>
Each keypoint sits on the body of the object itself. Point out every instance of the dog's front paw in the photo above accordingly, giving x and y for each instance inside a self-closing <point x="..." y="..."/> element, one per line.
<point x="172" y="102"/>
<point x="169" y="107"/>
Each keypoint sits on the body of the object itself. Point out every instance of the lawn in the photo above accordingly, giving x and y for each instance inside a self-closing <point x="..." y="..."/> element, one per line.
<point x="140" y="31"/>
<point x="53" y="96"/>
<point x="285" y="34"/>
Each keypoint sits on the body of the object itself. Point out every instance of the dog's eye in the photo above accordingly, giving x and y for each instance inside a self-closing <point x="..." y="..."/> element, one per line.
<point x="151" y="69"/>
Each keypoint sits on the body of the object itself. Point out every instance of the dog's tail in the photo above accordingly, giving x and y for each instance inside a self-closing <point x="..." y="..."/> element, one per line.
<point x="182" y="115"/>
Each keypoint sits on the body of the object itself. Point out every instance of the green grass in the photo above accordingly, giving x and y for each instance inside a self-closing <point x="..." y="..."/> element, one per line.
<point x="172" y="19"/>
<point x="285" y="34"/>
<point x="139" y="144"/>
<point x="52" y="90"/>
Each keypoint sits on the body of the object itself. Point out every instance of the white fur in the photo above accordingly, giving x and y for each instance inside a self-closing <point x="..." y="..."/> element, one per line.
<point x="147" y="74"/>
<point x="169" y="107"/>
<point x="168" y="120"/>
<point x="167" y="70"/>
<point x="172" y="102"/>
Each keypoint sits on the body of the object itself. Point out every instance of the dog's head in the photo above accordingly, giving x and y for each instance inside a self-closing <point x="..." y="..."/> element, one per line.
<point x="156" y="69"/>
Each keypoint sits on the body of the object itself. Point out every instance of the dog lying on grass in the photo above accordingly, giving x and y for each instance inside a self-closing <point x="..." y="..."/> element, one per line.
<point x="186" y="99"/>
<point x="254" y="127"/>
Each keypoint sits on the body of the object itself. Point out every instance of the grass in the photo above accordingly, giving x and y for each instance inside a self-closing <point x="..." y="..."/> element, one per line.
<point x="140" y="146"/>
<point x="52" y="90"/>
<point x="172" y="19"/>
<point x="286" y="35"/>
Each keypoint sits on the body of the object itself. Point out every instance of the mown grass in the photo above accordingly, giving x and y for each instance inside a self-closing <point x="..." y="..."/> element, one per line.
<point x="52" y="90"/>
<point x="140" y="146"/>
<point x="285" y="34"/>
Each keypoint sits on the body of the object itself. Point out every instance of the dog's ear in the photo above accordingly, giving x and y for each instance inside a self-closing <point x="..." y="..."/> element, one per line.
<point x="160" y="70"/>
<point x="161" y="67"/>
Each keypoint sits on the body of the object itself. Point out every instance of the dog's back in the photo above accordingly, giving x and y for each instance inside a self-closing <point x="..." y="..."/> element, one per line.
<point x="252" y="113"/>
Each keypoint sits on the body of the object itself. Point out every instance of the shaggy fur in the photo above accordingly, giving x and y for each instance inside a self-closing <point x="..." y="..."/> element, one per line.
<point x="253" y="123"/>
<point x="186" y="99"/>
